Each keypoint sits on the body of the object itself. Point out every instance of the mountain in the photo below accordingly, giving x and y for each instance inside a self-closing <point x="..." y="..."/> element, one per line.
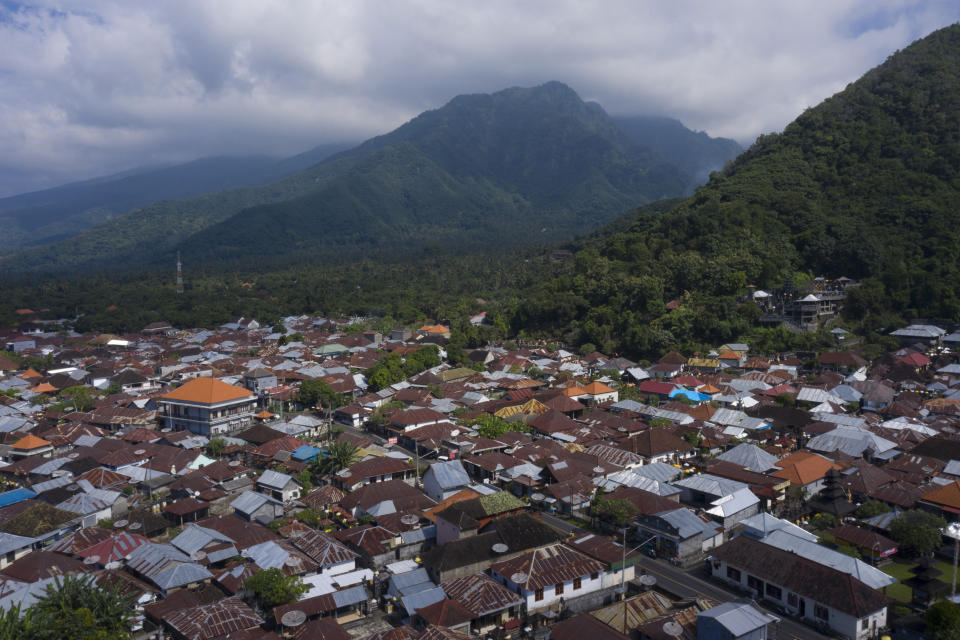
<point x="693" y="152"/>
<point x="43" y="217"/>
<point x="866" y="185"/>
<point x="523" y="165"/>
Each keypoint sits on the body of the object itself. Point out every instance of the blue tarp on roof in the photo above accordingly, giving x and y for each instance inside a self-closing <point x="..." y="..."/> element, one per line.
<point x="695" y="396"/>
<point x="17" y="495"/>
<point x="305" y="453"/>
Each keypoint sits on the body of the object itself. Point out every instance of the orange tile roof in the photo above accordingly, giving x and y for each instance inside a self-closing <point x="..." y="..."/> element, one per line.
<point x="30" y="373"/>
<point x="434" y="328"/>
<point x="729" y="355"/>
<point x="947" y="495"/>
<point x="804" y="467"/>
<point x="44" y="387"/>
<point x="206" y="390"/>
<point x="571" y="392"/>
<point x="30" y="442"/>
<point x="597" y="387"/>
<point x="265" y="415"/>
<point x="459" y="496"/>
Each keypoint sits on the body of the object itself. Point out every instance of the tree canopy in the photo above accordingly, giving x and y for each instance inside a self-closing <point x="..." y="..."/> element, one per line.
<point x="272" y="587"/>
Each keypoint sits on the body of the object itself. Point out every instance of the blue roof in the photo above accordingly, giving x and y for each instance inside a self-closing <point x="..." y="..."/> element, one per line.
<point x="17" y="495"/>
<point x="696" y="396"/>
<point x="305" y="452"/>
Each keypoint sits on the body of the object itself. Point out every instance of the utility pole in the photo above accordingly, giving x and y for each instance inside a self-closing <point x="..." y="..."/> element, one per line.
<point x="179" y="275"/>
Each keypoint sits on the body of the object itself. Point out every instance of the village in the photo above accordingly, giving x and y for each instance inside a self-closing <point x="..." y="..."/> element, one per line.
<point x="322" y="479"/>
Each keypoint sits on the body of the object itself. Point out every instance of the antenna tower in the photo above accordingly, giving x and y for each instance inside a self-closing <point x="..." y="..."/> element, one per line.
<point x="179" y="274"/>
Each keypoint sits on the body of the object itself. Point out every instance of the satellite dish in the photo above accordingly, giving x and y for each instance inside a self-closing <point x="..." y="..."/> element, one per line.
<point x="519" y="577"/>
<point x="598" y="469"/>
<point x="233" y="463"/>
<point x="72" y="488"/>
<point x="60" y="473"/>
<point x="91" y="559"/>
<point x="500" y="548"/>
<point x="139" y="452"/>
<point x="133" y="526"/>
<point x="648" y="580"/>
<point x="537" y="497"/>
<point x="455" y="433"/>
<point x="673" y="628"/>
<point x="73" y="456"/>
<point x="409" y="519"/>
<point x="292" y="561"/>
<point x="293" y="618"/>
<point x="120" y="524"/>
<point x="344" y="473"/>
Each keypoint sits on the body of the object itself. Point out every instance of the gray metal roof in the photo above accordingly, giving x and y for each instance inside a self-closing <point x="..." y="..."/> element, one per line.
<point x="750" y="457"/>
<point x="250" y="501"/>
<point x="422" y="599"/>
<point x="274" y="479"/>
<point x="449" y="474"/>
<point x="10" y="542"/>
<point x="739" y="618"/>
<point x="710" y="484"/>
<point x="659" y="471"/>
<point x="403" y="582"/>
<point x="194" y="538"/>
<point x="346" y="597"/>
<point x="688" y="524"/>
<point x="267" y="555"/>
<point x="850" y="440"/>
<point x="762" y="524"/>
<point x="180" y="575"/>
<point x="734" y="503"/>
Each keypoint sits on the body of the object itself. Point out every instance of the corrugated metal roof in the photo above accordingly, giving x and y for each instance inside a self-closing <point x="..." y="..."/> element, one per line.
<point x="422" y="599"/>
<point x="268" y="555"/>
<point x="739" y="618"/>
<point x="850" y="440"/>
<point x="180" y="575"/>
<point x="449" y="474"/>
<point x="860" y="570"/>
<point x="194" y="538"/>
<point x="711" y="485"/>
<point x="750" y="457"/>
<point x="274" y="479"/>
<point x="688" y="524"/>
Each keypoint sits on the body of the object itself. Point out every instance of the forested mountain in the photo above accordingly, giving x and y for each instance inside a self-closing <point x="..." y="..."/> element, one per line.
<point x="867" y="185"/>
<point x="693" y="152"/>
<point x="42" y="217"/>
<point x="524" y="165"/>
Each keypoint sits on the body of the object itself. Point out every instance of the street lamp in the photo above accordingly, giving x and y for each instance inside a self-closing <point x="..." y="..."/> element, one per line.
<point x="953" y="531"/>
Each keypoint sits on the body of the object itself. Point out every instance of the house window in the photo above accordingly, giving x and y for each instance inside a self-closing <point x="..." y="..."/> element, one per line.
<point x="576" y="583"/>
<point x="755" y="583"/>
<point x="821" y="612"/>
<point x="733" y="574"/>
<point x="774" y="591"/>
<point x="559" y="588"/>
<point x="539" y="595"/>
<point x="792" y="599"/>
<point x="865" y="623"/>
<point x="594" y="576"/>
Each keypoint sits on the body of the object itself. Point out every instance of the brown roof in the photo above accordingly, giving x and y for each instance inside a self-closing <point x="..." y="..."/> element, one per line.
<point x="445" y="613"/>
<point x="205" y="390"/>
<point x="549" y="566"/>
<point x="802" y="576"/>
<point x="480" y="594"/>
<point x="947" y="495"/>
<point x="582" y="627"/>
<point x="43" y="564"/>
<point x="213" y="620"/>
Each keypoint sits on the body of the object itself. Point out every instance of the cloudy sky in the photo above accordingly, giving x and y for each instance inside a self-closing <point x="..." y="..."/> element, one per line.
<point x="100" y="86"/>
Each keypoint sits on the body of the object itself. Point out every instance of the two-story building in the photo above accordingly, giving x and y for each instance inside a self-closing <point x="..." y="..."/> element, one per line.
<point x="546" y="577"/>
<point x="813" y="592"/>
<point x="208" y="407"/>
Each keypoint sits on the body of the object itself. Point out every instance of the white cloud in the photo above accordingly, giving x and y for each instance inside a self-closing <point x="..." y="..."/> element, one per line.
<point x="118" y="84"/>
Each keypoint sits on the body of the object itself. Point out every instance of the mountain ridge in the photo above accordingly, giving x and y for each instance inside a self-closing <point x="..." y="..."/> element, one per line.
<point x="528" y="161"/>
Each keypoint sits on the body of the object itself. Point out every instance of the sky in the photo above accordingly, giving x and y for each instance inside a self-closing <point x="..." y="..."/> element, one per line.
<point x="101" y="86"/>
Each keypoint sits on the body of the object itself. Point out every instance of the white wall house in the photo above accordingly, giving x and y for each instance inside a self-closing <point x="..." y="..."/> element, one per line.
<point x="543" y="576"/>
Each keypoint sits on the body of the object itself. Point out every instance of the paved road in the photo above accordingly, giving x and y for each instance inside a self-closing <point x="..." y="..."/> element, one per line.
<point x="689" y="584"/>
<point x="560" y="524"/>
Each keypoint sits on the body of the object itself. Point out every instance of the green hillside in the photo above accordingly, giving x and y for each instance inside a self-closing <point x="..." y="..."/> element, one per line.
<point x="518" y="166"/>
<point x="43" y="217"/>
<point x="867" y="185"/>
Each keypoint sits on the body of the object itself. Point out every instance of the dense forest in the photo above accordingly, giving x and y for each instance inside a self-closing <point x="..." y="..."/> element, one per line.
<point x="864" y="185"/>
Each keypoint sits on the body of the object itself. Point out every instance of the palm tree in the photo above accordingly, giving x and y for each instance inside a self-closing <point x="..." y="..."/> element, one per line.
<point x="340" y="455"/>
